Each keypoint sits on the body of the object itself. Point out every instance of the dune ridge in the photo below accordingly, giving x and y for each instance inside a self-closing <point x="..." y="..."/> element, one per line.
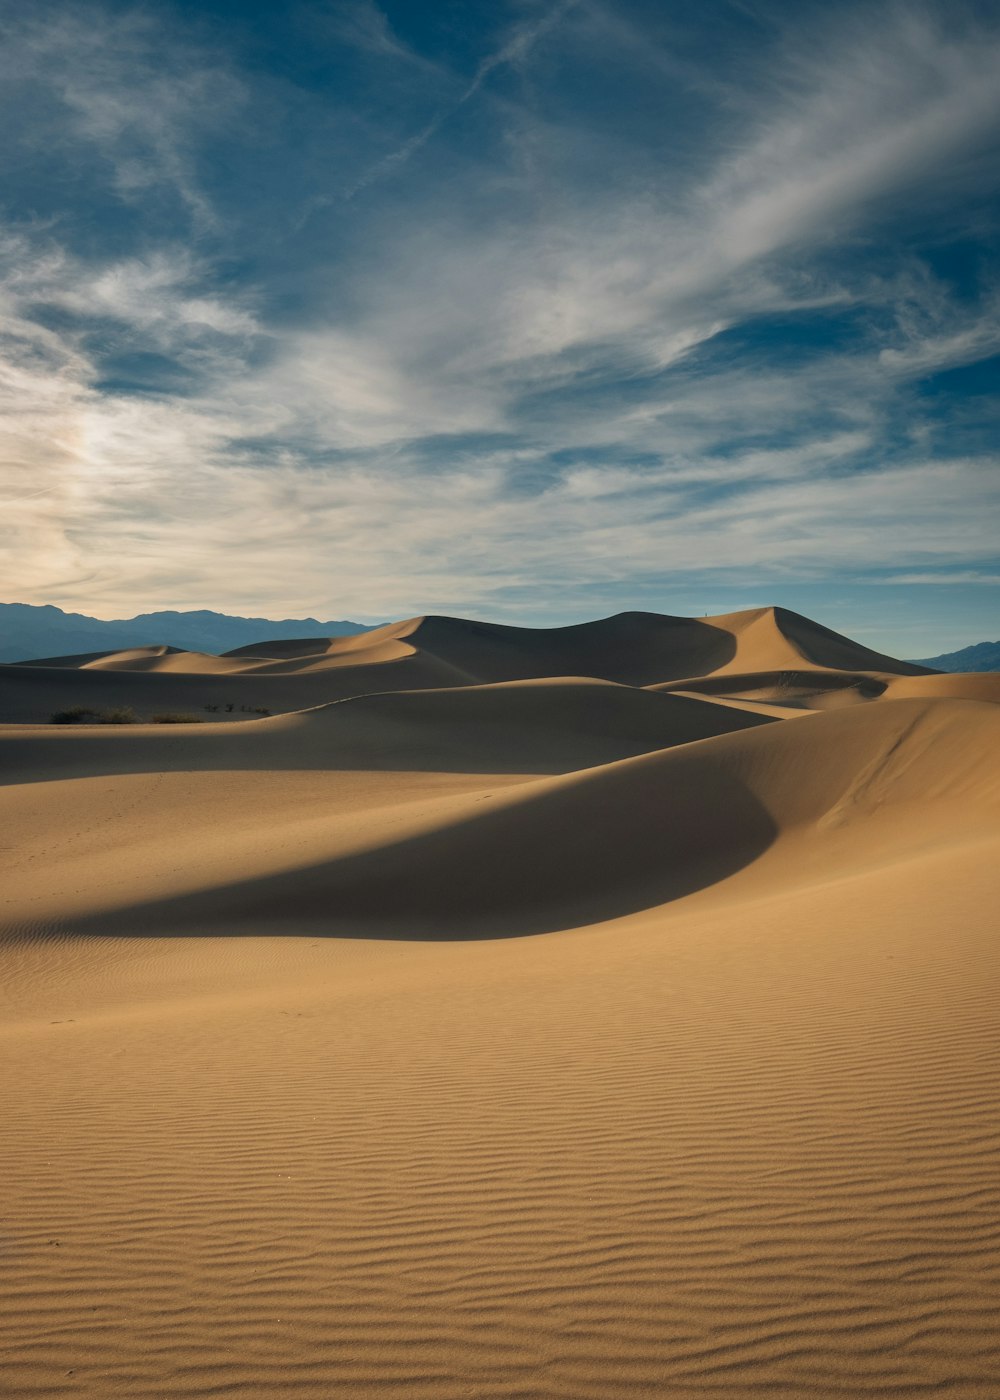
<point x="585" y="1012"/>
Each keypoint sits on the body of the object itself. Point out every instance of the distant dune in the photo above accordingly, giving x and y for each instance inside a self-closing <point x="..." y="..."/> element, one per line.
<point x="593" y="1012"/>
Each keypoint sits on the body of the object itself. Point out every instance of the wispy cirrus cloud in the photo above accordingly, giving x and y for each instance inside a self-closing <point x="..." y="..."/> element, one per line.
<point x="514" y="49"/>
<point x="109" y="82"/>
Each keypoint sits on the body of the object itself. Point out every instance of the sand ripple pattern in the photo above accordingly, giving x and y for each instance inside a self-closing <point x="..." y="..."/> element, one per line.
<point x="621" y="1167"/>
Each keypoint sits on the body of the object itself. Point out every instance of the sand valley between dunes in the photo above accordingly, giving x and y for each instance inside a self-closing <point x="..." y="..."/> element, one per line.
<point x="596" y="1012"/>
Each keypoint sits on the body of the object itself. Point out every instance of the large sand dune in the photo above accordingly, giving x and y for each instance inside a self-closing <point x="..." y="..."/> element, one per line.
<point x="636" y="649"/>
<point x="597" y="1012"/>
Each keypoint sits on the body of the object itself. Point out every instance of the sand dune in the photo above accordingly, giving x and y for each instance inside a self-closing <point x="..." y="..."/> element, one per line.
<point x="165" y="659"/>
<point x="609" y="1011"/>
<point x="519" y="727"/>
<point x="795" y="689"/>
<point x="563" y="852"/>
<point x="638" y="649"/>
<point x="975" y="685"/>
<point x="826" y="690"/>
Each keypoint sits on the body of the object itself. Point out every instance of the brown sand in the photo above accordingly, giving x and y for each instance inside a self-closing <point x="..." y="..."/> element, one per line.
<point x="545" y="1037"/>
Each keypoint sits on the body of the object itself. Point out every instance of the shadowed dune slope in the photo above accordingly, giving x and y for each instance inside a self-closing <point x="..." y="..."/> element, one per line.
<point x="823" y="647"/>
<point x="862" y="784"/>
<point x="31" y="694"/>
<point x="517" y="727"/>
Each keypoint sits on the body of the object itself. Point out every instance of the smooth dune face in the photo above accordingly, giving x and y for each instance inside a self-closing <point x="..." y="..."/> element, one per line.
<point x="973" y="686"/>
<point x="620" y="1029"/>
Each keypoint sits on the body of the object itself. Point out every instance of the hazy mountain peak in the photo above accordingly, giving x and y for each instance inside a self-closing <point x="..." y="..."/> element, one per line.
<point x="28" y="631"/>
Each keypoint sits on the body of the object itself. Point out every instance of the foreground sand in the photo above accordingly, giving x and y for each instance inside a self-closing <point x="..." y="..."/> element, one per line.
<point x="289" y="1110"/>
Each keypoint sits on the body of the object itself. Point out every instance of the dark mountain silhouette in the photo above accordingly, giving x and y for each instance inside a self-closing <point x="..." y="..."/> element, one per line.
<point x="28" y="632"/>
<point x="981" y="656"/>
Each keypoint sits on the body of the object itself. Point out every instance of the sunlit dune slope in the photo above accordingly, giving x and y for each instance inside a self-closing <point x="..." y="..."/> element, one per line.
<point x="973" y="685"/>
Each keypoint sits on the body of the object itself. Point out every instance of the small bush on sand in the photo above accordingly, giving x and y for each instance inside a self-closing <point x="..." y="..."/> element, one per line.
<point x="123" y="714"/>
<point x="231" y="709"/>
<point x="76" y="714"/>
<point x="175" y="719"/>
<point x="82" y="714"/>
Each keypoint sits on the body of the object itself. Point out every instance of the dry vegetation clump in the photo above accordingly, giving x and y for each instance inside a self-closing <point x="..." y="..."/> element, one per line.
<point x="83" y="714"/>
<point x="230" y="708"/>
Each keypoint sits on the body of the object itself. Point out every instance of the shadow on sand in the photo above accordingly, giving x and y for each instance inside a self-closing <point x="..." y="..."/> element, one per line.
<point x="581" y="851"/>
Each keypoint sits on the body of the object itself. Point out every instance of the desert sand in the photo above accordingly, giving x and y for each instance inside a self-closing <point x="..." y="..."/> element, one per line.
<point x="594" y="1012"/>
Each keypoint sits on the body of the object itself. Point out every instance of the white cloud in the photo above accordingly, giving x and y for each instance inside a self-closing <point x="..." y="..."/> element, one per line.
<point x="859" y="116"/>
<point x="126" y="87"/>
<point x="951" y="576"/>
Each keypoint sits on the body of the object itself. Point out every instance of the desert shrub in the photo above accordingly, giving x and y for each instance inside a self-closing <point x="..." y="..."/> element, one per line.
<point x="120" y="714"/>
<point x="83" y="714"/>
<point x="76" y="714"/>
<point x="175" y="719"/>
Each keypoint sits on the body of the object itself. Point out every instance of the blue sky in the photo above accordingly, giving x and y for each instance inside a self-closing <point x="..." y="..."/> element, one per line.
<point x="529" y="311"/>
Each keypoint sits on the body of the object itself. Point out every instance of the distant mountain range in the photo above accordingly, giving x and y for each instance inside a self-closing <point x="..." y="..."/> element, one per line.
<point x="982" y="656"/>
<point x="28" y="633"/>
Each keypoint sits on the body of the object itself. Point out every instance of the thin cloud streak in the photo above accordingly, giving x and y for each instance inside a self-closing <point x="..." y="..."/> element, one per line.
<point x="514" y="50"/>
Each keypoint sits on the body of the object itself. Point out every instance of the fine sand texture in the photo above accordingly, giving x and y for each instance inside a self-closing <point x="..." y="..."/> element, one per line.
<point x="594" y="1012"/>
